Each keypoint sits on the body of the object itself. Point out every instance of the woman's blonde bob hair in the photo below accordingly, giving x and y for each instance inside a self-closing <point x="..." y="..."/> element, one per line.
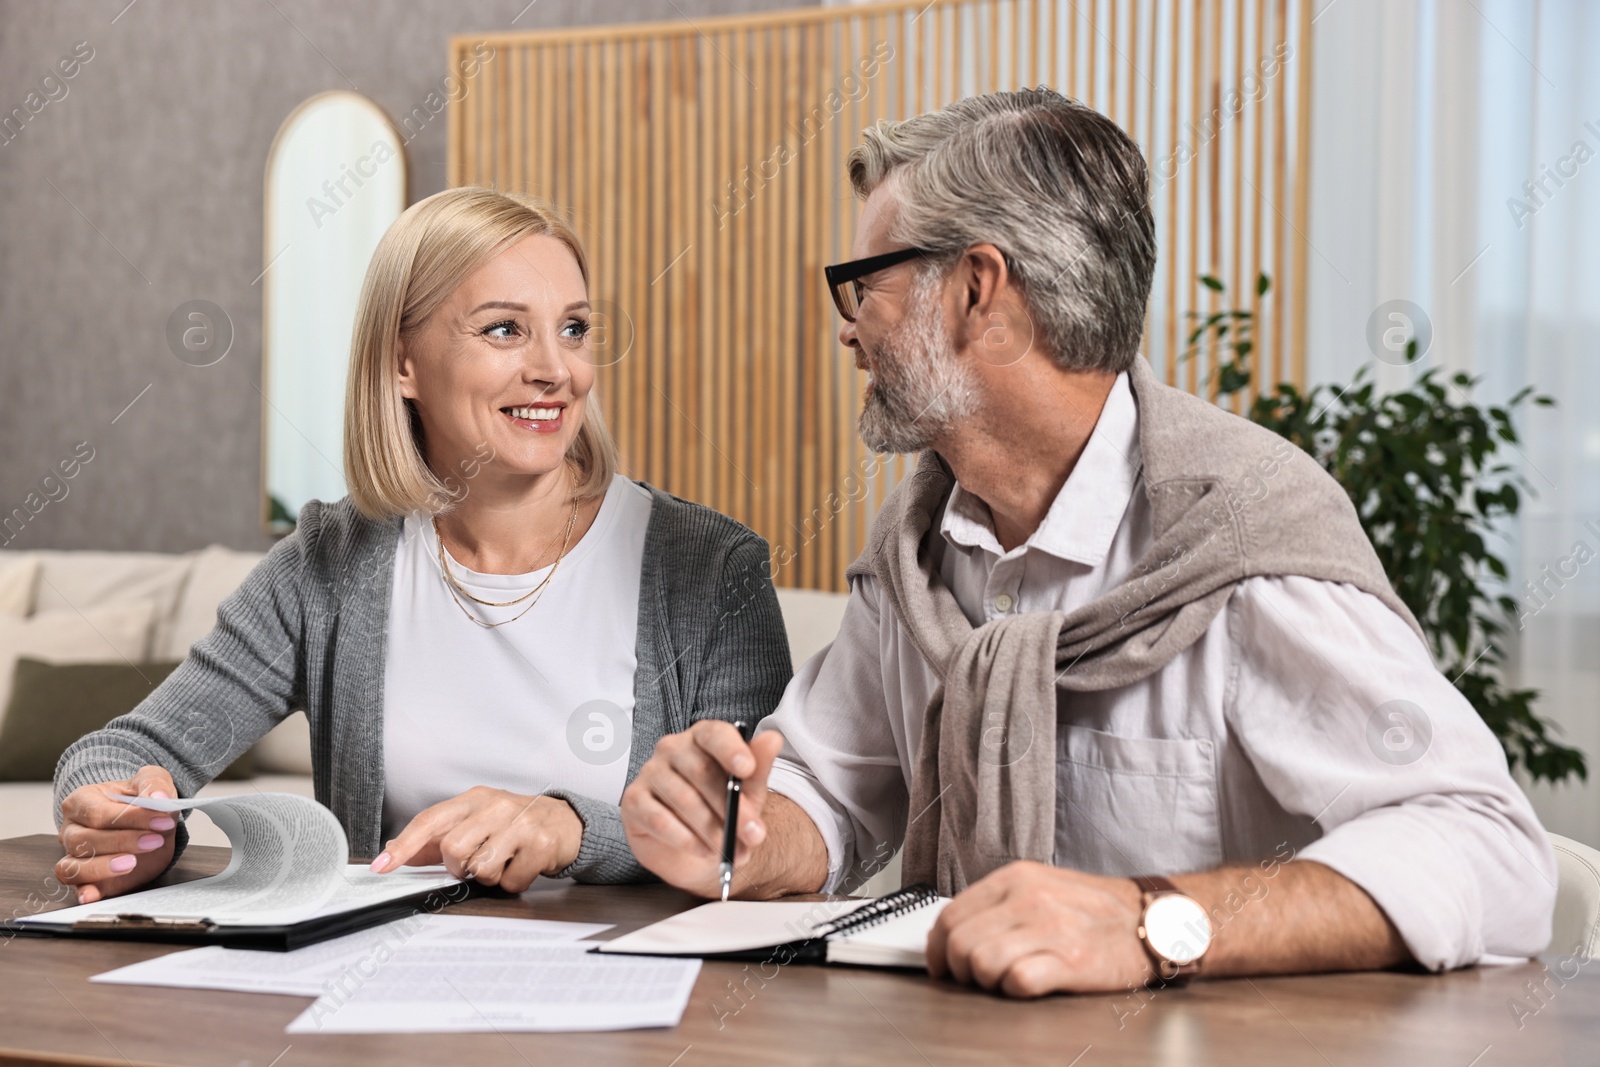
<point x="429" y="251"/>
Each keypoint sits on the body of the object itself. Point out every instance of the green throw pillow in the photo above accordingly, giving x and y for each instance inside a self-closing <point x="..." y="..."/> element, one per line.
<point x="52" y="705"/>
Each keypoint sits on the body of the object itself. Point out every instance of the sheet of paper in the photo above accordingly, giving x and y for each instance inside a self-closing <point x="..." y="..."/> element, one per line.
<point x="342" y="963"/>
<point x="732" y="926"/>
<point x="289" y="862"/>
<point x="454" y="988"/>
<point x="360" y="887"/>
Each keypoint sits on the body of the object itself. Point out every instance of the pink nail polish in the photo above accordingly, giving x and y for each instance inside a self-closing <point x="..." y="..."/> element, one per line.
<point x="161" y="793"/>
<point x="150" y="841"/>
<point x="161" y="822"/>
<point x="379" y="863"/>
<point x="123" y="864"/>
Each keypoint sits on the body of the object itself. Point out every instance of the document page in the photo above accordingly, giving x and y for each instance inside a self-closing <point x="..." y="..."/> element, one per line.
<point x="342" y="963"/>
<point x="498" y="986"/>
<point x="289" y="863"/>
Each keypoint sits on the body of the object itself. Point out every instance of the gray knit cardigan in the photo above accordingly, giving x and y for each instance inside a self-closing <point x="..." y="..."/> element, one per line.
<point x="308" y="629"/>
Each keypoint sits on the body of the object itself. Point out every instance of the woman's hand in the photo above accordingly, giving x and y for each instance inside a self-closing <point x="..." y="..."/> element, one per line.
<point x="490" y="835"/>
<point x="111" y="846"/>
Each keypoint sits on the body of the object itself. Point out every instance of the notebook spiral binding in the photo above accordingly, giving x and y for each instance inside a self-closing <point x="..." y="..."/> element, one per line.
<point x="890" y="906"/>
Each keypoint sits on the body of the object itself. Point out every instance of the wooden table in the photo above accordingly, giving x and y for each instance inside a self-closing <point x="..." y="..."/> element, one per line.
<point x="742" y="1014"/>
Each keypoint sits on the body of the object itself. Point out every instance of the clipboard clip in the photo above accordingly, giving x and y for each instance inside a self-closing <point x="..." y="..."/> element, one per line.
<point x="135" y="921"/>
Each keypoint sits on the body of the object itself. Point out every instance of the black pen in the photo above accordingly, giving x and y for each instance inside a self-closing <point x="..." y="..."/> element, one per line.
<point x="730" y="819"/>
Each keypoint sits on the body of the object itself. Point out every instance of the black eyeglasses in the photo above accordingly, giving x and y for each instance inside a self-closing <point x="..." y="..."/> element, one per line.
<point x="844" y="279"/>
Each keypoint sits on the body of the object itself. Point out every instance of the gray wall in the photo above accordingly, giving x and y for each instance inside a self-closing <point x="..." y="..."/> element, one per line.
<point x="140" y="189"/>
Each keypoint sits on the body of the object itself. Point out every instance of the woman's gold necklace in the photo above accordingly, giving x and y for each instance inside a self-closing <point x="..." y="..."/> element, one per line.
<point x="454" y="586"/>
<point x="450" y="577"/>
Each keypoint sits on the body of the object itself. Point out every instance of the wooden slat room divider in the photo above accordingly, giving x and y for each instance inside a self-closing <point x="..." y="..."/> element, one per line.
<point x="703" y="165"/>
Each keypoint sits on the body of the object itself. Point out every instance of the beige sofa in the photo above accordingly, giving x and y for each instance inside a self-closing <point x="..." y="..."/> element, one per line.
<point x="183" y="592"/>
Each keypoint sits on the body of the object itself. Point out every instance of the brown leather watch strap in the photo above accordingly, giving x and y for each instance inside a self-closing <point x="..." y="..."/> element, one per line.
<point x="1155" y="883"/>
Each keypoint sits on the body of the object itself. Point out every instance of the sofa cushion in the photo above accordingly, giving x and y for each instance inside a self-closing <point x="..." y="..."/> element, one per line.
<point x="811" y="619"/>
<point x="81" y="580"/>
<point x="215" y="573"/>
<point x="113" y="633"/>
<point x="287" y="747"/>
<point x="18" y="579"/>
<point x="54" y="704"/>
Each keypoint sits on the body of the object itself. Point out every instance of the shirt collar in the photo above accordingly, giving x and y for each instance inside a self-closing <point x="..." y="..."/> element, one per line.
<point x="1087" y="512"/>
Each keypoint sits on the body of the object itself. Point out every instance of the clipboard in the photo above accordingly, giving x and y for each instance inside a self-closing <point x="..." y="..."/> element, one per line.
<point x="195" y="932"/>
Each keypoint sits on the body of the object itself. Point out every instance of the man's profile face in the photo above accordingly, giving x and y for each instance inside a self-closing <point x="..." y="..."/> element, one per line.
<point x="917" y="386"/>
<point x="883" y="294"/>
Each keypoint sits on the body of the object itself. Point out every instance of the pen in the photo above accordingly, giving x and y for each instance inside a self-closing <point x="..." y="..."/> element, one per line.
<point x="730" y="819"/>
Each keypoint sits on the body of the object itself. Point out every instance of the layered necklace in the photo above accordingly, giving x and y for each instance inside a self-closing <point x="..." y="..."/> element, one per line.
<point x="457" y="590"/>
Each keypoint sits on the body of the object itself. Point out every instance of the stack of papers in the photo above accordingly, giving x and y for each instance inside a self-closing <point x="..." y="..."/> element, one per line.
<point x="444" y="973"/>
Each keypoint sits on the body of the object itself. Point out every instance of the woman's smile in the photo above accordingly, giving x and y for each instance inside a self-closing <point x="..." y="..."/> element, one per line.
<point x="542" y="417"/>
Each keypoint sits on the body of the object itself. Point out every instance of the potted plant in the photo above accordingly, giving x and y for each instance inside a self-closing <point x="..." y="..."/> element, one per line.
<point x="1423" y="467"/>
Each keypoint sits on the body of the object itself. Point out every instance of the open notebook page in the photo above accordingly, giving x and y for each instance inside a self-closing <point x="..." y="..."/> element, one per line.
<point x="731" y="926"/>
<point x="749" y="925"/>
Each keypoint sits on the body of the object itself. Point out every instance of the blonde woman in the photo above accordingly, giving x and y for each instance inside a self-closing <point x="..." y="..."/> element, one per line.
<point x="494" y="628"/>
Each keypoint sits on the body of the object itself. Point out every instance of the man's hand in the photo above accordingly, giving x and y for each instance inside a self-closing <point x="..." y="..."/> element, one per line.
<point x="490" y="835"/>
<point x="1029" y="929"/>
<point x="673" y="810"/>
<point x="113" y="847"/>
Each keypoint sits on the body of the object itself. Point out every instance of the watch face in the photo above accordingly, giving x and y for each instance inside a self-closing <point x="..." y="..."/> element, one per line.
<point x="1178" y="928"/>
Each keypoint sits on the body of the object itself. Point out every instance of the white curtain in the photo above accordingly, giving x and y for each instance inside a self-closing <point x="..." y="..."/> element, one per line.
<point x="1456" y="165"/>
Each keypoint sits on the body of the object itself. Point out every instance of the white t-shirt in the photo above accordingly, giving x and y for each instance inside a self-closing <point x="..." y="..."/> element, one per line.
<point x="546" y="701"/>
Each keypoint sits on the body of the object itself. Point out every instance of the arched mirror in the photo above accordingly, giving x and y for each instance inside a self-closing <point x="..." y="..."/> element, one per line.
<point x="335" y="180"/>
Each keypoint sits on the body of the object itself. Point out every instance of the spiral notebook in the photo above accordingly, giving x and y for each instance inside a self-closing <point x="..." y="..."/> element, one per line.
<point x="890" y="931"/>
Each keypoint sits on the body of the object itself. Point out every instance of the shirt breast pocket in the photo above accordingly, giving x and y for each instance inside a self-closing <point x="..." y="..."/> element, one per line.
<point x="1135" y="805"/>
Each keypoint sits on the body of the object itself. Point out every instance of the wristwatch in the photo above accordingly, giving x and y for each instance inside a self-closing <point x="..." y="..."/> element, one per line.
<point x="1174" y="929"/>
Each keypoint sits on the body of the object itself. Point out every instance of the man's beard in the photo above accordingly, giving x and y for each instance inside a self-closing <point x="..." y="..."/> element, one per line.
<point x="920" y="386"/>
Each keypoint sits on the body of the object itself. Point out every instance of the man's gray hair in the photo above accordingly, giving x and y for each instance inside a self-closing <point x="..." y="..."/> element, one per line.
<point x="1057" y="187"/>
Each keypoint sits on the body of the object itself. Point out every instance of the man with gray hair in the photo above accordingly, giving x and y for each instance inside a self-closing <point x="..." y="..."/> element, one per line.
<point x="1120" y="671"/>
